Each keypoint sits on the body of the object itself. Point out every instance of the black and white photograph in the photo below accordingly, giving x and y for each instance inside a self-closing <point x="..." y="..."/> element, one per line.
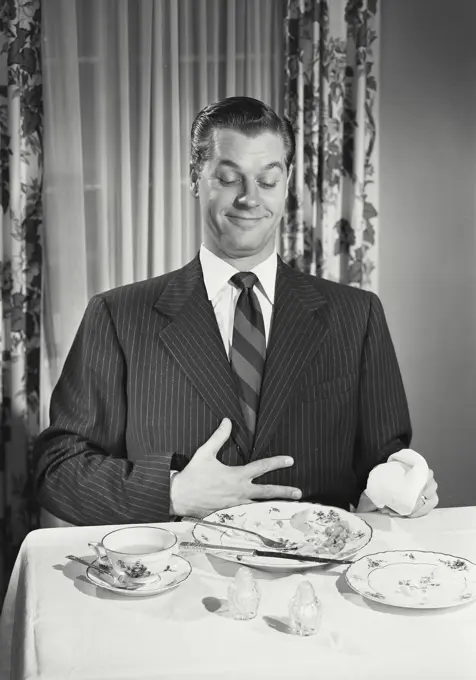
<point x="237" y="340"/>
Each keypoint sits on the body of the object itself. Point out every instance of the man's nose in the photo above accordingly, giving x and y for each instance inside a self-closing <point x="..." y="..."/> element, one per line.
<point x="248" y="198"/>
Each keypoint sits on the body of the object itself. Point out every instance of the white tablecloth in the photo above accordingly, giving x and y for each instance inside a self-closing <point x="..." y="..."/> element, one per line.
<point x="56" y="626"/>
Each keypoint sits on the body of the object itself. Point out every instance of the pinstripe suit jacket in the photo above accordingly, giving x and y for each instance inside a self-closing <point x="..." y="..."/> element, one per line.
<point x="147" y="381"/>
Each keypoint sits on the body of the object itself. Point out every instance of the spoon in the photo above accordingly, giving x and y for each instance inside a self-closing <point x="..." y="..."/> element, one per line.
<point x="117" y="580"/>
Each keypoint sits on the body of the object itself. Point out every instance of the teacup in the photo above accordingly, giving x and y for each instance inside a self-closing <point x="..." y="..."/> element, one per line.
<point x="136" y="554"/>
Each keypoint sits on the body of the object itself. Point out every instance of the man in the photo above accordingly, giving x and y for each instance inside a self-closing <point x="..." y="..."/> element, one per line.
<point x="249" y="378"/>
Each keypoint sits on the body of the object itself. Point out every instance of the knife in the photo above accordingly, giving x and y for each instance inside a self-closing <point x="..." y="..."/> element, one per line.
<point x="203" y="547"/>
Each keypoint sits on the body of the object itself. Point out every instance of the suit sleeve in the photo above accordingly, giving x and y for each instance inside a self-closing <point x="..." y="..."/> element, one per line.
<point x="82" y="472"/>
<point x="384" y="425"/>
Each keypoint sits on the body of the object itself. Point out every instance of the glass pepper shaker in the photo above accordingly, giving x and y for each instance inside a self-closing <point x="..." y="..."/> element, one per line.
<point x="243" y="595"/>
<point x="305" y="610"/>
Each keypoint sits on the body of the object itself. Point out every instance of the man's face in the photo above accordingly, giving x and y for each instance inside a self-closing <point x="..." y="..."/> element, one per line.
<point x="242" y="191"/>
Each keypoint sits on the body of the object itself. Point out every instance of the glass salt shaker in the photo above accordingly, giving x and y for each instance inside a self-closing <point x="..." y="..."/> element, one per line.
<point x="243" y="595"/>
<point x="305" y="610"/>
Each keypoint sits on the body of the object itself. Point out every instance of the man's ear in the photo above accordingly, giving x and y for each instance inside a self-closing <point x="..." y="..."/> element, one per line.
<point x="194" y="177"/>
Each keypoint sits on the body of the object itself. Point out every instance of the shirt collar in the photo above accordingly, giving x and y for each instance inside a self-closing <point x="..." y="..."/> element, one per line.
<point x="217" y="273"/>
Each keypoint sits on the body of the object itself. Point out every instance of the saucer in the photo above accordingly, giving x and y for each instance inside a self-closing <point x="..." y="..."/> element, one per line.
<point x="416" y="579"/>
<point x="177" y="571"/>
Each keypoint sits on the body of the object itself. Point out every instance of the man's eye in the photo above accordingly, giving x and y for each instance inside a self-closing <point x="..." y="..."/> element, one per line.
<point x="228" y="182"/>
<point x="268" y="185"/>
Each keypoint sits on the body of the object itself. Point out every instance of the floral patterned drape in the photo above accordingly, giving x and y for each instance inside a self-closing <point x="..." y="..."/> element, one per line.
<point x="21" y="163"/>
<point x="331" y="88"/>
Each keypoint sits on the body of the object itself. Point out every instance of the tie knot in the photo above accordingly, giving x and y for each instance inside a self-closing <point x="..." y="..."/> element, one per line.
<point x="244" y="280"/>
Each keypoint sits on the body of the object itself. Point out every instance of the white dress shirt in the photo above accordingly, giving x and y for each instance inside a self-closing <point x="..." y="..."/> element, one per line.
<point x="224" y="295"/>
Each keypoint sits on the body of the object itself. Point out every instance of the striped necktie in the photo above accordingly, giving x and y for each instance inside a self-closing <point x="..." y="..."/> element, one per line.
<point x="248" y="350"/>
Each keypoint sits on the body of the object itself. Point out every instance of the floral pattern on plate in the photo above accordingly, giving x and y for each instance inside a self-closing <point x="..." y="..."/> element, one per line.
<point x="310" y="525"/>
<point x="175" y="573"/>
<point x="418" y="579"/>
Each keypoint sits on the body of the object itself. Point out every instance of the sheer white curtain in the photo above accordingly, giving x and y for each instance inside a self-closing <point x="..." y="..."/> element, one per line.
<point x="123" y="81"/>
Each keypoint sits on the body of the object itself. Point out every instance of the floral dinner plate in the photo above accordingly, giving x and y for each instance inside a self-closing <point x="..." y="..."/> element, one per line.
<point x="417" y="579"/>
<point x="317" y="529"/>
<point x="177" y="571"/>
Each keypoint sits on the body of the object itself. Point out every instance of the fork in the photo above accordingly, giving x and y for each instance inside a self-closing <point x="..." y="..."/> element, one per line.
<point x="280" y="544"/>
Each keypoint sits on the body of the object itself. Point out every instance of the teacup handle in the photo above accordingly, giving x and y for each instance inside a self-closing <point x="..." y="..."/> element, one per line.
<point x="100" y="554"/>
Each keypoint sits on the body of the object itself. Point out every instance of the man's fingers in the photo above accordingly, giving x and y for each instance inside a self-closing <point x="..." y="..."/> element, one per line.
<point x="268" y="491"/>
<point x="216" y="441"/>
<point x="422" y="507"/>
<point x="426" y="507"/>
<point x="260" y="467"/>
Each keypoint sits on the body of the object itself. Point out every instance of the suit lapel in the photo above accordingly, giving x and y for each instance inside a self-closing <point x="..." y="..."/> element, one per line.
<point x="299" y="326"/>
<point x="193" y="338"/>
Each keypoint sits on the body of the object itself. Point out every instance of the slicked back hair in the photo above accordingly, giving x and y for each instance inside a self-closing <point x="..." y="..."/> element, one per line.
<point x="244" y="114"/>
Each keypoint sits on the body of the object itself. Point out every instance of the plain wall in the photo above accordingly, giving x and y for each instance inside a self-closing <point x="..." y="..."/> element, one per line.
<point x="427" y="248"/>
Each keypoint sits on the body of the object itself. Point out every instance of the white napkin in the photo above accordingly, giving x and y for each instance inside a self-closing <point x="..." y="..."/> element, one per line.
<point x="398" y="483"/>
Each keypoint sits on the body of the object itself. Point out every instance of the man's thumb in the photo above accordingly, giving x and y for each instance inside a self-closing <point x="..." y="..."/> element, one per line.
<point x="216" y="441"/>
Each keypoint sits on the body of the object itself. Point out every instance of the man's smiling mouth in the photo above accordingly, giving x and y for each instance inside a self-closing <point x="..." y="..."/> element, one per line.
<point x="245" y="219"/>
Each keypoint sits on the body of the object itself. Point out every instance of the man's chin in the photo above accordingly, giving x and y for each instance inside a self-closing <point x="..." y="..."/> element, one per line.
<point x="244" y="247"/>
<point x="248" y="240"/>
